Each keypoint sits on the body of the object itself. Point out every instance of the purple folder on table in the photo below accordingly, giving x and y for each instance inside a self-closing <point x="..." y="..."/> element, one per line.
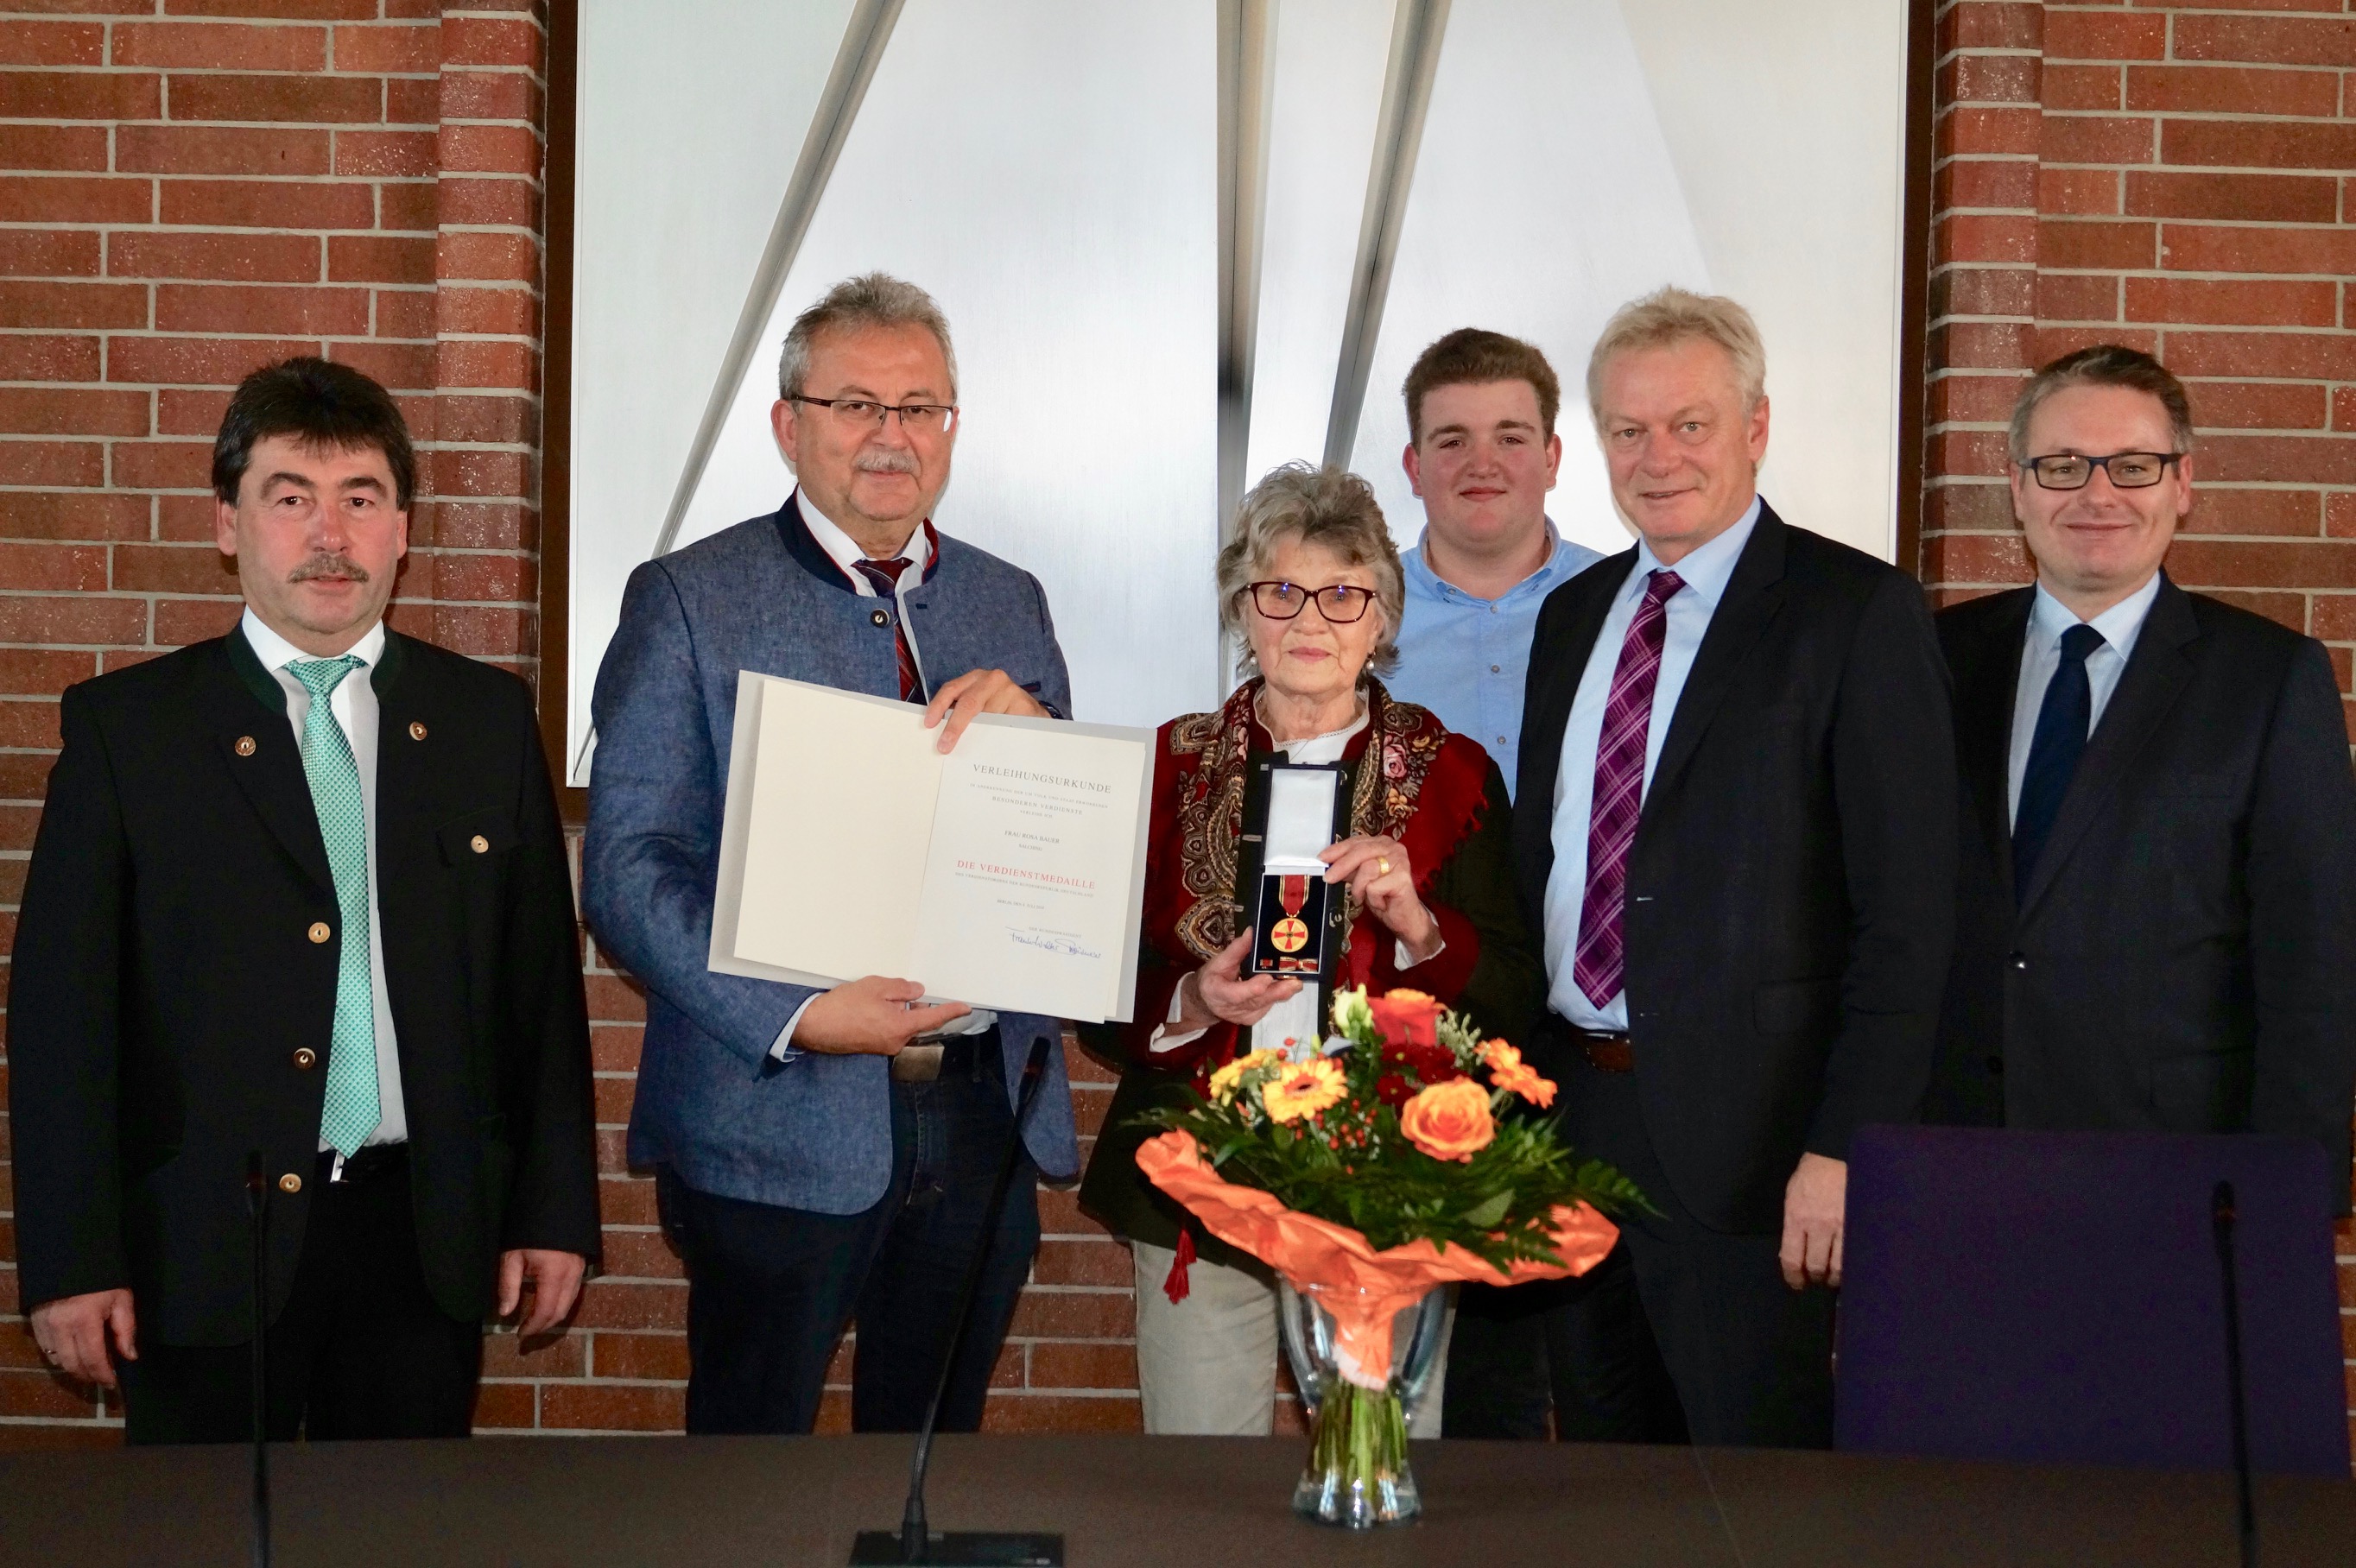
<point x="2056" y="1298"/>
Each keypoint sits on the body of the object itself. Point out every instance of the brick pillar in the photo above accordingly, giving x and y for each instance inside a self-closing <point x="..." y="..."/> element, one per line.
<point x="1984" y="241"/>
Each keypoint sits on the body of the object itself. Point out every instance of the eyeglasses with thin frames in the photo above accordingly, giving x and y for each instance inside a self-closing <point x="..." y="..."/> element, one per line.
<point x="916" y="419"/>
<point x="1339" y="603"/>
<point x="2126" y="470"/>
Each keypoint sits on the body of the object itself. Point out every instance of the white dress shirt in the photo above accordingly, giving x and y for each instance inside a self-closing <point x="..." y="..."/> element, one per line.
<point x="2040" y="656"/>
<point x="353" y="702"/>
<point x="1292" y="1023"/>
<point x="845" y="552"/>
<point x="1704" y="572"/>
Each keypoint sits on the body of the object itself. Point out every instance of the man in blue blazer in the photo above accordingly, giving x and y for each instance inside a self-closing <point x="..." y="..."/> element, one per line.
<point x="821" y="1155"/>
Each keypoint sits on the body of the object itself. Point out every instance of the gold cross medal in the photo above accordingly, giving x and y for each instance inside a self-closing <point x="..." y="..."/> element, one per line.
<point x="1291" y="916"/>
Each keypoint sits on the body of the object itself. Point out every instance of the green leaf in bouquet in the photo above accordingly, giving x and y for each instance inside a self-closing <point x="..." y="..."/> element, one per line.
<point x="1490" y="1212"/>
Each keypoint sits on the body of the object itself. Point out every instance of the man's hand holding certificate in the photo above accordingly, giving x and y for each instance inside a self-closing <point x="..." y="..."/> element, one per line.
<point x="1002" y="872"/>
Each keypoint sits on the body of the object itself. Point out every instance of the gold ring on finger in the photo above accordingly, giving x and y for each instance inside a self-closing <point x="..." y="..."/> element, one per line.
<point x="1383" y="868"/>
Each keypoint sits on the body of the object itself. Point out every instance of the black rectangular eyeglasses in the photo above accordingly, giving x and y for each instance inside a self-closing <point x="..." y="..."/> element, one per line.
<point x="1339" y="603"/>
<point x="2127" y="469"/>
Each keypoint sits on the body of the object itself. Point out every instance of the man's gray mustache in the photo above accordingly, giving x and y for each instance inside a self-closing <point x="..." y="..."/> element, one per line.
<point x="885" y="461"/>
<point x="329" y="566"/>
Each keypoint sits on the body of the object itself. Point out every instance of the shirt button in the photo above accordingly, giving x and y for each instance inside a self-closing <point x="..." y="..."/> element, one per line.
<point x="480" y="845"/>
<point x="290" y="1182"/>
<point x="320" y="930"/>
<point x="416" y="730"/>
<point x="245" y="745"/>
<point x="1501" y="740"/>
<point x="2019" y="961"/>
<point x="879" y="619"/>
<point x="1496" y="669"/>
<point x="307" y="1057"/>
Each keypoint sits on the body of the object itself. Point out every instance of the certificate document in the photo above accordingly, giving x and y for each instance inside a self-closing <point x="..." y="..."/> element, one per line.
<point x="1007" y="874"/>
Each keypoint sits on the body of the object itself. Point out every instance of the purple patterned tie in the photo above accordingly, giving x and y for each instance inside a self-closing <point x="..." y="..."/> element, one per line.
<point x="1600" y="962"/>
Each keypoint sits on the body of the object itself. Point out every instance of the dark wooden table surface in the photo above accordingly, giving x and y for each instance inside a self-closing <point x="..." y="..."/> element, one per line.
<point x="755" y="1502"/>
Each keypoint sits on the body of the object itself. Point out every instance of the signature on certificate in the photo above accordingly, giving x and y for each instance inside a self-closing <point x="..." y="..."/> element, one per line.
<point x="1064" y="946"/>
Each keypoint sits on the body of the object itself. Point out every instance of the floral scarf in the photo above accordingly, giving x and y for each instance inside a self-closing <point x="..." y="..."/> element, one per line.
<point x="1403" y="737"/>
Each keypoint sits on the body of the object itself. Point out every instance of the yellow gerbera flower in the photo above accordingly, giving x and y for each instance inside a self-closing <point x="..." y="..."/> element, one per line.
<point x="1225" y="1081"/>
<point x="1303" y="1089"/>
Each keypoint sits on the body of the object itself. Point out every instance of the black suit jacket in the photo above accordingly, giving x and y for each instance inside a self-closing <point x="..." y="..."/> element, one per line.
<point x="2185" y="956"/>
<point x="164" y="981"/>
<point x="1790" y="887"/>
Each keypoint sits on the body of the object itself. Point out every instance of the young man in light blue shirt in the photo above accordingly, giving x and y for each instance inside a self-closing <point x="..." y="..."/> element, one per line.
<point x="1480" y="409"/>
<point x="1482" y="456"/>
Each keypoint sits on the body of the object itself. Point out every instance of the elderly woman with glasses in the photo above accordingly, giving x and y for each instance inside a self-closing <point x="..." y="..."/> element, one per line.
<point x="1310" y="587"/>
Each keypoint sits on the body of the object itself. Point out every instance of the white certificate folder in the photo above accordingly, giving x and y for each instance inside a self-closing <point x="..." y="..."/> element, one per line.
<point x="1008" y="874"/>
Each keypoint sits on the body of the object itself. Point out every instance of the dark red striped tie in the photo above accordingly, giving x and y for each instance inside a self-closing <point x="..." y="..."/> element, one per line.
<point x="885" y="576"/>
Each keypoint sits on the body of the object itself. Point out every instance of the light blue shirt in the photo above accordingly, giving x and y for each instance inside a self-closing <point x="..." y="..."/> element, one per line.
<point x="1466" y="659"/>
<point x="1704" y="572"/>
<point x="2040" y="656"/>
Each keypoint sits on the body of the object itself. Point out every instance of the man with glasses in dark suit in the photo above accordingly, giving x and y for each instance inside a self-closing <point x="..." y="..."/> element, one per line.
<point x="2157" y="903"/>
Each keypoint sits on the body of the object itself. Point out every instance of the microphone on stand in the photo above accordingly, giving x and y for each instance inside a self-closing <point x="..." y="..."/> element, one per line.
<point x="914" y="1541"/>
<point x="2221" y="1211"/>
<point x="257" y="1209"/>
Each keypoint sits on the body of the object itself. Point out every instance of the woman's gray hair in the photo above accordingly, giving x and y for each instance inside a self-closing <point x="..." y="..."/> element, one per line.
<point x="872" y="299"/>
<point x="1330" y="508"/>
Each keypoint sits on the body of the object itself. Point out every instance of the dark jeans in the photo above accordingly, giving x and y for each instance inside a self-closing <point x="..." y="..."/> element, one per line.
<point x="360" y="1350"/>
<point x="1751" y="1358"/>
<point x="770" y="1289"/>
<point x="1578" y="1351"/>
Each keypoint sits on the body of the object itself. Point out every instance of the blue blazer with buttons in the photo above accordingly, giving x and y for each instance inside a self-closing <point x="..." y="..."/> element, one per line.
<point x="815" y="1131"/>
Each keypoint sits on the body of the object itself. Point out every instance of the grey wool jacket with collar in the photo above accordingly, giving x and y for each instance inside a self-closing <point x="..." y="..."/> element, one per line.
<point x="815" y="1131"/>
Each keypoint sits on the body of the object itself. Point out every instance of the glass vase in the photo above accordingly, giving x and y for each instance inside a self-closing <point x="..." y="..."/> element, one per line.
<point x="1358" y="1476"/>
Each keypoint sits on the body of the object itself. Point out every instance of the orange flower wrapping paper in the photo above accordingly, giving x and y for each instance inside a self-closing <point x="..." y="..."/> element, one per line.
<point x="1370" y="1288"/>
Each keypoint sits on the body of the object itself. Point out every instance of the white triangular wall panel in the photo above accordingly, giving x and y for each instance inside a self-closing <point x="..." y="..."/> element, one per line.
<point x="1787" y="132"/>
<point x="1328" y="61"/>
<point x="1047" y="169"/>
<point x="686" y="138"/>
<point x="1544" y="197"/>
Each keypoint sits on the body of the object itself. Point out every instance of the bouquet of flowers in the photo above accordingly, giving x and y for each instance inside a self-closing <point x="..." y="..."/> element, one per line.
<point x="1368" y="1171"/>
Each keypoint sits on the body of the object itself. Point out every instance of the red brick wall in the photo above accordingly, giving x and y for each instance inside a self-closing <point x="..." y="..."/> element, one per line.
<point x="2182" y="179"/>
<point x="188" y="190"/>
<point x="190" y="187"/>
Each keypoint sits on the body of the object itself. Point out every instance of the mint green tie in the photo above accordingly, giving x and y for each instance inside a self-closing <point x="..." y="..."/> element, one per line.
<point x="352" y="1109"/>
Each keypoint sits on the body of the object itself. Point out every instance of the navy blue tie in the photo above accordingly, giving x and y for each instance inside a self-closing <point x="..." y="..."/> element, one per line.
<point x="2062" y="724"/>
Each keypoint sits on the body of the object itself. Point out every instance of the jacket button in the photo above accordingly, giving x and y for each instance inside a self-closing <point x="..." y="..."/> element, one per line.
<point x="2019" y="960"/>
<point x="290" y="1182"/>
<point x="480" y="845"/>
<point x="320" y="930"/>
<point x="416" y="730"/>
<point x="305" y="1057"/>
<point x="879" y="619"/>
<point x="245" y="745"/>
<point x="1996" y="1065"/>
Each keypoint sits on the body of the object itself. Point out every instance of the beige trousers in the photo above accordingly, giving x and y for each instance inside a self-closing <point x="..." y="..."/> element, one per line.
<point x="1206" y="1365"/>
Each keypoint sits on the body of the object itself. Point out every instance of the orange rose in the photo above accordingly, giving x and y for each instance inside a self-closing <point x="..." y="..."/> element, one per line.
<point x="1449" y="1121"/>
<point x="1406" y="1018"/>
